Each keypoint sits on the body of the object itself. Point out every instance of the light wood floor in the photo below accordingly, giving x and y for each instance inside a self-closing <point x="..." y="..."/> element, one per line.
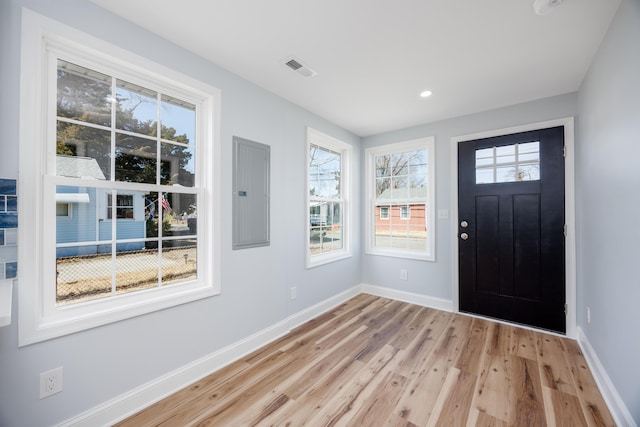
<point x="378" y="362"/>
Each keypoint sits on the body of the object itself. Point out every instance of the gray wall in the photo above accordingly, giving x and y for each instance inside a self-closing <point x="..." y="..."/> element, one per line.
<point x="608" y="204"/>
<point x="104" y="362"/>
<point x="433" y="279"/>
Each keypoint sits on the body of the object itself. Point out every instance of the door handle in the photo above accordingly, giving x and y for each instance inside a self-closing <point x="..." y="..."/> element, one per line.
<point x="464" y="224"/>
<point x="464" y="236"/>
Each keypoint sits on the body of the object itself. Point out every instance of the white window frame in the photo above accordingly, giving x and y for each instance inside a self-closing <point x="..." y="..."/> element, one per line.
<point x="39" y="317"/>
<point x="315" y="137"/>
<point x="384" y="217"/>
<point x="110" y="210"/>
<point x="69" y="214"/>
<point x="407" y="215"/>
<point x="371" y="153"/>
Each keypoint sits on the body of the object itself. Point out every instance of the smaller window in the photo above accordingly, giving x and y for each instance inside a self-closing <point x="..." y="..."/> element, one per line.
<point x="63" y="210"/>
<point x="400" y="192"/>
<point x="405" y="212"/>
<point x="384" y="212"/>
<point x="327" y="199"/>
<point x="508" y="163"/>
<point x="124" y="207"/>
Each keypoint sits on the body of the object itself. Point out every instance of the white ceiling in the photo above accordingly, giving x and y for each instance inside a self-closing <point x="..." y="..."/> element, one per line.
<point x="373" y="57"/>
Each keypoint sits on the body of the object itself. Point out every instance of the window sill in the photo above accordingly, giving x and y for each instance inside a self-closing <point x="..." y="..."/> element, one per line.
<point x="401" y="254"/>
<point x="318" y="260"/>
<point x="6" y="292"/>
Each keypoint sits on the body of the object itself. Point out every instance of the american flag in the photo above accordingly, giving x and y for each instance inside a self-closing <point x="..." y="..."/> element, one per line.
<point x="165" y="203"/>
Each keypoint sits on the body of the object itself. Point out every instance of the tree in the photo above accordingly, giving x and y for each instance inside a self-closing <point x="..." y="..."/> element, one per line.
<point x="401" y="170"/>
<point x="86" y="96"/>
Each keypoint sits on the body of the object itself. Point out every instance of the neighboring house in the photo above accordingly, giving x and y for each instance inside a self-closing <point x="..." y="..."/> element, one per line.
<point x="83" y="214"/>
<point x="401" y="210"/>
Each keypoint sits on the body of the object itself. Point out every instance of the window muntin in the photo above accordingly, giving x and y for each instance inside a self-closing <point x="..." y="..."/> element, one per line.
<point x="327" y="162"/>
<point x="127" y="152"/>
<point x="508" y="163"/>
<point x="44" y="172"/>
<point x="400" y="189"/>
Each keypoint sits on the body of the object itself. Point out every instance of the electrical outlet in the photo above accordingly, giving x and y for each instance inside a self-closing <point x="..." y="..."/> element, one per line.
<point x="404" y="275"/>
<point x="588" y="314"/>
<point x="294" y="293"/>
<point x="50" y="382"/>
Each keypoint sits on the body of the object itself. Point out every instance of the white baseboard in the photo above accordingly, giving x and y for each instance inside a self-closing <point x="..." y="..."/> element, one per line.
<point x="616" y="405"/>
<point x="139" y="398"/>
<point x="418" y="299"/>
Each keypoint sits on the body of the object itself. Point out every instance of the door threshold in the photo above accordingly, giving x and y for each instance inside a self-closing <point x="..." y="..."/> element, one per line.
<point x="518" y="325"/>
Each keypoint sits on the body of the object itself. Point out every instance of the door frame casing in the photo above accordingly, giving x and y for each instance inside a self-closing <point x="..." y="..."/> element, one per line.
<point x="569" y="206"/>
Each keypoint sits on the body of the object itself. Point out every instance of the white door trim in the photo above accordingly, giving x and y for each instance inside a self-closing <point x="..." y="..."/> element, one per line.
<point x="570" y="212"/>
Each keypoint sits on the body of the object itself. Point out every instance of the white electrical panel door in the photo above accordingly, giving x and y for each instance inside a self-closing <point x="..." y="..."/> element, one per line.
<point x="251" y="169"/>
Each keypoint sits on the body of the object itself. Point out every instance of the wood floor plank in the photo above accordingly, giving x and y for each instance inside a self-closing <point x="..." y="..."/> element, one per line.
<point x="421" y="395"/>
<point x="374" y="361"/>
<point x="527" y="394"/>
<point x="554" y="371"/>
<point x="564" y="408"/>
<point x="494" y="386"/>
<point x="591" y="400"/>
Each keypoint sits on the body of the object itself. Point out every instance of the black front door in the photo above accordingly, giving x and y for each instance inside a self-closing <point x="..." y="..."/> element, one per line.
<point x="511" y="228"/>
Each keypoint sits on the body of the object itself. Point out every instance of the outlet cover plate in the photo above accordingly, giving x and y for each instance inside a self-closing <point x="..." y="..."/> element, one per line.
<point x="50" y="382"/>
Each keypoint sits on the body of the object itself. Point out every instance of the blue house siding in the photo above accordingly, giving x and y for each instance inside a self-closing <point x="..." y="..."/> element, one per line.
<point x="125" y="229"/>
<point x="86" y="223"/>
<point x="80" y="226"/>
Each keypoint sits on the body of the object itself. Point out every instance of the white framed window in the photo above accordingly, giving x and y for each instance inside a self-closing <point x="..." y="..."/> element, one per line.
<point x="400" y="185"/>
<point x="384" y="212"/>
<point x="405" y="212"/>
<point x="121" y="138"/>
<point x="124" y="206"/>
<point x="328" y="210"/>
<point x="63" y="210"/>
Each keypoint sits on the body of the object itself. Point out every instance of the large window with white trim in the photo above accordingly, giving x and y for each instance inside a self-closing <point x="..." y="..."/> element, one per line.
<point x="400" y="193"/>
<point x="126" y="150"/>
<point x="328" y="233"/>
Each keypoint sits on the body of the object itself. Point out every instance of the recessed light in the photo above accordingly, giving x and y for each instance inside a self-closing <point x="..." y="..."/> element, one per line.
<point x="425" y="94"/>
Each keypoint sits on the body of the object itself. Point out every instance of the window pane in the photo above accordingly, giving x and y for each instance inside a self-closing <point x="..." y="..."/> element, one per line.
<point x="418" y="176"/>
<point x="135" y="269"/>
<point x="177" y="165"/>
<point x="400" y="164"/>
<point x="178" y="212"/>
<point x="135" y="159"/>
<point x="383" y="166"/>
<point x="136" y="109"/>
<point x="82" y="152"/>
<point x="528" y="173"/>
<point x="179" y="261"/>
<point x="324" y="172"/>
<point x="178" y="119"/>
<point x="484" y="176"/>
<point x="83" y="94"/>
<point x="383" y="188"/>
<point x="529" y="147"/>
<point x="404" y="229"/>
<point x="510" y="163"/>
<point x="83" y="276"/>
<point x="325" y="233"/>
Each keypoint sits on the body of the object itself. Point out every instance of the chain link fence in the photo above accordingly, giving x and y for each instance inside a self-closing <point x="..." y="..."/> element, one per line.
<point x="88" y="277"/>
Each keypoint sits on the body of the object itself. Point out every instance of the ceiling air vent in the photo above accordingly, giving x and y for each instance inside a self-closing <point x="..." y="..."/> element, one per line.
<point x="296" y="65"/>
